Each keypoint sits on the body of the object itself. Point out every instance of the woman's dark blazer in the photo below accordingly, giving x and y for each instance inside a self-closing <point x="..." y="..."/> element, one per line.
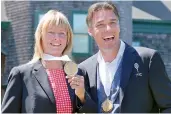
<point x="29" y="91"/>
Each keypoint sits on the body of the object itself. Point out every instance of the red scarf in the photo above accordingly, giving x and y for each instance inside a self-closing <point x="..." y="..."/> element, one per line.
<point x="59" y="86"/>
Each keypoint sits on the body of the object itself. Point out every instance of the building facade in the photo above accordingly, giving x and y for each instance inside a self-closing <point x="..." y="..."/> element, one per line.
<point x="137" y="29"/>
<point x="152" y="27"/>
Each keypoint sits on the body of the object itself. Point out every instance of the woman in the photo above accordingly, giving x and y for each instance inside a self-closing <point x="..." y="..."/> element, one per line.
<point x="41" y="86"/>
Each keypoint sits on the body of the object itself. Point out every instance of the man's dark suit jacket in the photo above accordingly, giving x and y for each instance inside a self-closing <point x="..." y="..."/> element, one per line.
<point x="29" y="91"/>
<point x="150" y="92"/>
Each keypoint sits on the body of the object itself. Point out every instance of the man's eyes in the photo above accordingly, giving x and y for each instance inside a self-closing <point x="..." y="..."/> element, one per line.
<point x="114" y="22"/>
<point x="100" y="25"/>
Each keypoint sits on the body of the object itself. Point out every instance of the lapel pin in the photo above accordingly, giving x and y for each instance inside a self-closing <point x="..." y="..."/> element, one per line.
<point x="136" y="65"/>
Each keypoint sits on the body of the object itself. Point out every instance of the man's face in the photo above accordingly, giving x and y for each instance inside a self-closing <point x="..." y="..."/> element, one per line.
<point x="105" y="29"/>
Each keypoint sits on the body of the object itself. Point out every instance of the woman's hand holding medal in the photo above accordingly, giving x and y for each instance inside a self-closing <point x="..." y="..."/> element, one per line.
<point x="76" y="82"/>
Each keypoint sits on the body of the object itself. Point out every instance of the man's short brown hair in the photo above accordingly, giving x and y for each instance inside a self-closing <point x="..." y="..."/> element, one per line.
<point x="100" y="6"/>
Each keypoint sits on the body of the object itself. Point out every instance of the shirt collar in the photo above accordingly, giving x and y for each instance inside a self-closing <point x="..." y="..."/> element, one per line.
<point x="100" y="58"/>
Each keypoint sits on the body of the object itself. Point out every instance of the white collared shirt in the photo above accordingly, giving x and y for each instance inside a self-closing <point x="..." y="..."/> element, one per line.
<point x="107" y="70"/>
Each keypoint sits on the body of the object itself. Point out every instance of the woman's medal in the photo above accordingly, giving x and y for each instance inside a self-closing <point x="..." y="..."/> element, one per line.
<point x="71" y="68"/>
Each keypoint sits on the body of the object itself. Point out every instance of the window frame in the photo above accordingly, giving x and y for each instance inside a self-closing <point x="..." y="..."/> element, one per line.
<point x="90" y="40"/>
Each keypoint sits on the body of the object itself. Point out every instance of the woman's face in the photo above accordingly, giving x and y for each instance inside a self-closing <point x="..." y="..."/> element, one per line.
<point x="54" y="40"/>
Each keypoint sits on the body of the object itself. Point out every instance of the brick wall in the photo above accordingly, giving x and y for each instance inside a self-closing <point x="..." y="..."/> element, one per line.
<point x="160" y="42"/>
<point x="20" y="40"/>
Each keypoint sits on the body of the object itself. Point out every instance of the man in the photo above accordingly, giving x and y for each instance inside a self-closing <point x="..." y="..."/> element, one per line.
<point x="123" y="79"/>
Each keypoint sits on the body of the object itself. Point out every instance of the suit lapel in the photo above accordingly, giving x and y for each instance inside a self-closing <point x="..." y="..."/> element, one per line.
<point x="93" y="78"/>
<point x="42" y="77"/>
<point x="127" y="65"/>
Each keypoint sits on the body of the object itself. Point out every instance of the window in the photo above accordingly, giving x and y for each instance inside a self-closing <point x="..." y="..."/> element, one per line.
<point x="82" y="42"/>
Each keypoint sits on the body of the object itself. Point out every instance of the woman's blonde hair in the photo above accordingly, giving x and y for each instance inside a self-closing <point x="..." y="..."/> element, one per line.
<point x="51" y="18"/>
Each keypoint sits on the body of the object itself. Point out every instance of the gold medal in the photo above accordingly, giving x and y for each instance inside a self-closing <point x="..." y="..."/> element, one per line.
<point x="107" y="105"/>
<point x="71" y="68"/>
